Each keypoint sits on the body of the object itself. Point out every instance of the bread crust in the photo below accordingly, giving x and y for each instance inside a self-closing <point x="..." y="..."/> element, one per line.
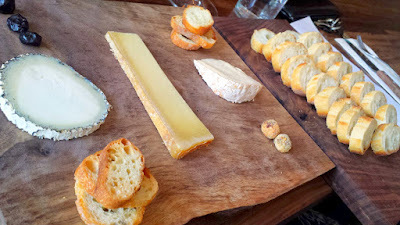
<point x="339" y="69"/>
<point x="361" y="135"/>
<point x="87" y="172"/>
<point x="299" y="75"/>
<point x="346" y="123"/>
<point x="200" y="30"/>
<point x="285" y="51"/>
<point x="205" y="41"/>
<point x="348" y="80"/>
<point x="256" y="44"/>
<point x="324" y="99"/>
<point x="183" y="42"/>
<point x="318" y="83"/>
<point x="275" y="41"/>
<point x="328" y="59"/>
<point x="318" y="49"/>
<point x="103" y="192"/>
<point x="335" y="111"/>
<point x="372" y="102"/>
<point x="386" y="139"/>
<point x="359" y="90"/>
<point x="291" y="64"/>
<point x="386" y="114"/>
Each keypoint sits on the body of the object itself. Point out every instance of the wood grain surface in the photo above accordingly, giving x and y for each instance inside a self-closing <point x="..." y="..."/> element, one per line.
<point x="241" y="167"/>
<point x="368" y="184"/>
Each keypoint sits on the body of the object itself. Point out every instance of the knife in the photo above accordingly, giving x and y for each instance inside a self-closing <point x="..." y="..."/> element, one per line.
<point x="391" y="88"/>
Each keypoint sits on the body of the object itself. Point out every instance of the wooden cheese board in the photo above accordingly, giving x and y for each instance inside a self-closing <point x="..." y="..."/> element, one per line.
<point x="241" y="167"/>
<point x="368" y="184"/>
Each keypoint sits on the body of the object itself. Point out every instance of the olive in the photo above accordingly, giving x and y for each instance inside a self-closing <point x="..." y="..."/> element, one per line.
<point x="30" y="38"/>
<point x="7" y="6"/>
<point x="17" y="23"/>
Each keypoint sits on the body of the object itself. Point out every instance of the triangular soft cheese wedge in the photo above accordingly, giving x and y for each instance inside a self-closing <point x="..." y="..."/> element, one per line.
<point x="181" y="130"/>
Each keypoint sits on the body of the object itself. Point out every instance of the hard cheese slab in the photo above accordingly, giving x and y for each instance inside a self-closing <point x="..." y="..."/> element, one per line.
<point x="240" y="167"/>
<point x="372" y="192"/>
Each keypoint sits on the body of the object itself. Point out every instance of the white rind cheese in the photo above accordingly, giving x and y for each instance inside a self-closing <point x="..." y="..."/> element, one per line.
<point x="49" y="99"/>
<point x="227" y="81"/>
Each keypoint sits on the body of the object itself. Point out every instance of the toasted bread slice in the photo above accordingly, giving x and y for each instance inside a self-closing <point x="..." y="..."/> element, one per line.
<point x="205" y="41"/>
<point x="197" y="19"/>
<point x="361" y="135"/>
<point x="87" y="172"/>
<point x="386" y="139"/>
<point x="386" y="114"/>
<point x="318" y="49"/>
<point x="347" y="122"/>
<point x="336" y="111"/>
<point x="93" y="213"/>
<point x="291" y="64"/>
<point x="310" y="38"/>
<point x="183" y="42"/>
<point x="372" y="102"/>
<point x="284" y="52"/>
<point x="300" y="77"/>
<point x="347" y="82"/>
<point x="274" y="42"/>
<point x="318" y="83"/>
<point x="260" y="38"/>
<point x="359" y="90"/>
<point x="120" y="173"/>
<point x="339" y="69"/>
<point x="324" y="99"/>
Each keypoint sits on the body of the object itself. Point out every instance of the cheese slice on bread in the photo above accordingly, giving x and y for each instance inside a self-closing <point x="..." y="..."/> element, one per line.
<point x="227" y="81"/>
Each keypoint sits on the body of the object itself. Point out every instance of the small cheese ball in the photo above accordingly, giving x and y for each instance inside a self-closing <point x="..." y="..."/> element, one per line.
<point x="282" y="143"/>
<point x="270" y="129"/>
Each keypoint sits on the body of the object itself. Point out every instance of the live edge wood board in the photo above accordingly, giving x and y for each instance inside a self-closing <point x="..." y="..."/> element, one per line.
<point x="241" y="167"/>
<point x="369" y="184"/>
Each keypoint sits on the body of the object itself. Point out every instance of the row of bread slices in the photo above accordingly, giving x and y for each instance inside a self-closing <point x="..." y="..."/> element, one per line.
<point x="113" y="186"/>
<point x="353" y="108"/>
<point x="194" y="29"/>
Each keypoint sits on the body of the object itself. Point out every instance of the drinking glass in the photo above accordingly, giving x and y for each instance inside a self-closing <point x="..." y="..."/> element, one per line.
<point x="258" y="9"/>
<point x="207" y="4"/>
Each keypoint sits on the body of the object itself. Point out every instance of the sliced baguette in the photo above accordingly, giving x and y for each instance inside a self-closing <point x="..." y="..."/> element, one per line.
<point x="347" y="82"/>
<point x="120" y="173"/>
<point x="87" y="172"/>
<point x="197" y="19"/>
<point x="205" y="41"/>
<point x="274" y="42"/>
<point x="361" y="135"/>
<point x="386" y="114"/>
<point x="346" y="123"/>
<point x="291" y="64"/>
<point x="336" y="111"/>
<point x="292" y="32"/>
<point x="386" y="139"/>
<point x="93" y="213"/>
<point x="284" y="52"/>
<point x="328" y="59"/>
<point x="372" y="102"/>
<point x="260" y="38"/>
<point x="310" y="38"/>
<point x="183" y="42"/>
<point x="359" y="90"/>
<point x="300" y="77"/>
<point x="318" y="49"/>
<point x="318" y="83"/>
<point x="338" y="69"/>
<point x="324" y="99"/>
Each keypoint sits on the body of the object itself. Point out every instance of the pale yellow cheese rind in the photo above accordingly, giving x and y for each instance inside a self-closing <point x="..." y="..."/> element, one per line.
<point x="181" y="130"/>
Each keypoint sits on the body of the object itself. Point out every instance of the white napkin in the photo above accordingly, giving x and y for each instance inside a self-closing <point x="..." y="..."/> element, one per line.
<point x="306" y="25"/>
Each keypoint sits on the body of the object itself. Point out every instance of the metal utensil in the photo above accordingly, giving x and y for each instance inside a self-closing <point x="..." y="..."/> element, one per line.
<point x="392" y="74"/>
